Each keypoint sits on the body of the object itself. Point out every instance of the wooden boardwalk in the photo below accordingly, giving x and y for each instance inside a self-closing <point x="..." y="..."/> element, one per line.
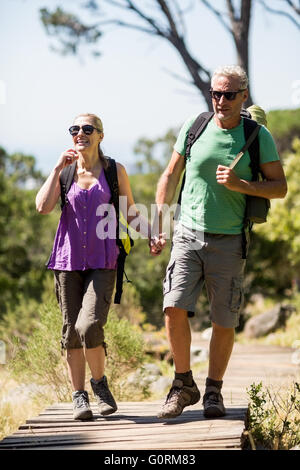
<point x="135" y="426"/>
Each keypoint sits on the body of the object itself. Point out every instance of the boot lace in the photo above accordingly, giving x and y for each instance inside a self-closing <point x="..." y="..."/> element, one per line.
<point x="172" y="395"/>
<point x="103" y="392"/>
<point x="213" y="398"/>
<point x="81" y="401"/>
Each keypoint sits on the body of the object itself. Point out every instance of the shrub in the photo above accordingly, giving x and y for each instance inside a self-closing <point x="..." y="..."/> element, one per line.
<point x="126" y="352"/>
<point x="40" y="361"/>
<point x="285" y="126"/>
<point x="274" y="417"/>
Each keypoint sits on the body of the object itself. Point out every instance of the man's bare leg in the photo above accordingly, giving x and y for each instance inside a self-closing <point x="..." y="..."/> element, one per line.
<point x="220" y="349"/>
<point x="179" y="336"/>
<point x="221" y="345"/>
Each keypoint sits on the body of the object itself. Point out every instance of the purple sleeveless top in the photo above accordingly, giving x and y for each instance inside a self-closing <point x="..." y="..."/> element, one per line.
<point x="86" y="233"/>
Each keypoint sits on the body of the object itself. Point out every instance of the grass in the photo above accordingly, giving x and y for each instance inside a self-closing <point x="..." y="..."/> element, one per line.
<point x="16" y="406"/>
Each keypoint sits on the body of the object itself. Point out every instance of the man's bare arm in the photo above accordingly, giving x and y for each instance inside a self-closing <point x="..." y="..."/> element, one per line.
<point x="166" y="188"/>
<point x="169" y="180"/>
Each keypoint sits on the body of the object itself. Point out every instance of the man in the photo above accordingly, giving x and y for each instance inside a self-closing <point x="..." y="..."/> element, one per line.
<point x="207" y="241"/>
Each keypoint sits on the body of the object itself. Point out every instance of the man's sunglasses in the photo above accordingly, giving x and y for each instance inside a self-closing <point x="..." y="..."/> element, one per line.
<point x="87" y="129"/>
<point x="229" y="95"/>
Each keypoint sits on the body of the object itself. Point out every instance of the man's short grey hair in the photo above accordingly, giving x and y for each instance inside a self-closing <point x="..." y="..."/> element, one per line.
<point x="232" y="71"/>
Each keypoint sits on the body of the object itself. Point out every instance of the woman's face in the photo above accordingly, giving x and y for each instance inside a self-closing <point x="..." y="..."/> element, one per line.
<point x="86" y="143"/>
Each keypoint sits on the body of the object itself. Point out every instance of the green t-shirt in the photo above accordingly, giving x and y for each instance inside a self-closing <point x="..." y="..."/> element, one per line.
<point x="207" y="205"/>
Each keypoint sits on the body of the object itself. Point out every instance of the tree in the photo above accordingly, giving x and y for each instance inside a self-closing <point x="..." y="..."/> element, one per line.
<point x="155" y="154"/>
<point x="164" y="19"/>
<point x="26" y="237"/>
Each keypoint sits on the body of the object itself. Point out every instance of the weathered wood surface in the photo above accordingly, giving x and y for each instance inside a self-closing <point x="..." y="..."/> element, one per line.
<point x="135" y="426"/>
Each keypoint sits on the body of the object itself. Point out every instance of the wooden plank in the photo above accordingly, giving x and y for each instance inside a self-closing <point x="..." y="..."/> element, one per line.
<point x="175" y="445"/>
<point x="54" y="428"/>
<point x="117" y="436"/>
<point x="186" y="416"/>
<point x="230" y="438"/>
<point x="142" y="445"/>
<point x="150" y="428"/>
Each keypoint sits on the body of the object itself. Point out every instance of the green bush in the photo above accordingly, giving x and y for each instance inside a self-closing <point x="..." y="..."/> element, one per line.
<point x="284" y="125"/>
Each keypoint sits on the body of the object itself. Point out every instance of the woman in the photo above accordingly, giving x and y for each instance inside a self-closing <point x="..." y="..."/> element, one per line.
<point x="83" y="262"/>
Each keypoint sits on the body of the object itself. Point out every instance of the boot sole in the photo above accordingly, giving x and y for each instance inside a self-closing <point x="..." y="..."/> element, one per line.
<point x="108" y="412"/>
<point x="86" y="415"/>
<point x="214" y="413"/>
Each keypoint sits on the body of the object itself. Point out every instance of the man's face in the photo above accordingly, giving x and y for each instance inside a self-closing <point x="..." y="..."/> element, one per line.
<point x="224" y="109"/>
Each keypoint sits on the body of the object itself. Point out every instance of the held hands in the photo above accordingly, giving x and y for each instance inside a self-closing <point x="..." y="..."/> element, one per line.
<point x="228" y="178"/>
<point x="157" y="244"/>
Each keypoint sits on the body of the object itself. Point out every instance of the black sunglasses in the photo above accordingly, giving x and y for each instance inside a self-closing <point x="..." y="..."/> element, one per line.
<point x="88" y="129"/>
<point x="229" y="95"/>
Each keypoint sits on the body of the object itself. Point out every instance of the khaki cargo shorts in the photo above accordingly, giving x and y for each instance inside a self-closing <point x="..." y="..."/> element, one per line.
<point x="84" y="298"/>
<point x="215" y="259"/>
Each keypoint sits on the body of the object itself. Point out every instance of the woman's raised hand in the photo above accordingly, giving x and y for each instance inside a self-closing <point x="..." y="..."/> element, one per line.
<point x="67" y="158"/>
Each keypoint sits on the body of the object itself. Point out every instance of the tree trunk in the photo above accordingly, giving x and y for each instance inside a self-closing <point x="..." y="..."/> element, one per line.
<point x="240" y="33"/>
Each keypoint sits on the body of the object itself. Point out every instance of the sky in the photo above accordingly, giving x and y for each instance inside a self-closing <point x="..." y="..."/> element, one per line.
<point x="130" y="86"/>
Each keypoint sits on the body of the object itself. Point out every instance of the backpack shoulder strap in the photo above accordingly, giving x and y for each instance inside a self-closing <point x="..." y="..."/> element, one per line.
<point x="66" y="179"/>
<point x="245" y="113"/>
<point x="194" y="133"/>
<point x="196" y="130"/>
<point x="245" y="147"/>
<point x="249" y="126"/>
<point x="112" y="180"/>
<point x="111" y="174"/>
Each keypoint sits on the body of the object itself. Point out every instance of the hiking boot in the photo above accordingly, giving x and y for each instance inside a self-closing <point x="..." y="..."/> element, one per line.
<point x="81" y="405"/>
<point x="213" y="403"/>
<point x="103" y="395"/>
<point x="179" y="396"/>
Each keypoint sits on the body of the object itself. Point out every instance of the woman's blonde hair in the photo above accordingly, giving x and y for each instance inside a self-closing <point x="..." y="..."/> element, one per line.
<point x="99" y="126"/>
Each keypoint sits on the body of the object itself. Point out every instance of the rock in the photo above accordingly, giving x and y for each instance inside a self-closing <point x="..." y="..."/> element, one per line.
<point x="144" y="376"/>
<point x="161" y="385"/>
<point x="149" y="376"/>
<point x="157" y="346"/>
<point x="267" y="322"/>
<point x="198" y="354"/>
<point x="295" y="448"/>
<point x="152" y="369"/>
<point x="206" y="334"/>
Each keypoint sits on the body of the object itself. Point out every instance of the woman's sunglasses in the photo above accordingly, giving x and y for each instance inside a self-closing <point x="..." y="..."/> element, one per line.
<point x="229" y="95"/>
<point x="87" y="129"/>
